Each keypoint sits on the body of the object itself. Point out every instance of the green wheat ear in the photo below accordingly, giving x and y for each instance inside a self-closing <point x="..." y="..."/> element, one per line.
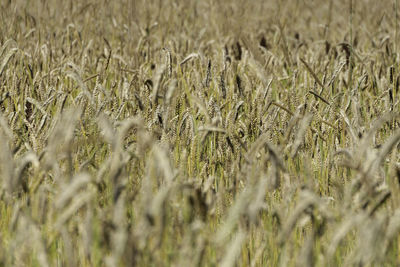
<point x="199" y="133"/>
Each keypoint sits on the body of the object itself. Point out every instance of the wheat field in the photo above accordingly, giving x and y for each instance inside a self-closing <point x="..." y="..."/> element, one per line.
<point x="199" y="133"/>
